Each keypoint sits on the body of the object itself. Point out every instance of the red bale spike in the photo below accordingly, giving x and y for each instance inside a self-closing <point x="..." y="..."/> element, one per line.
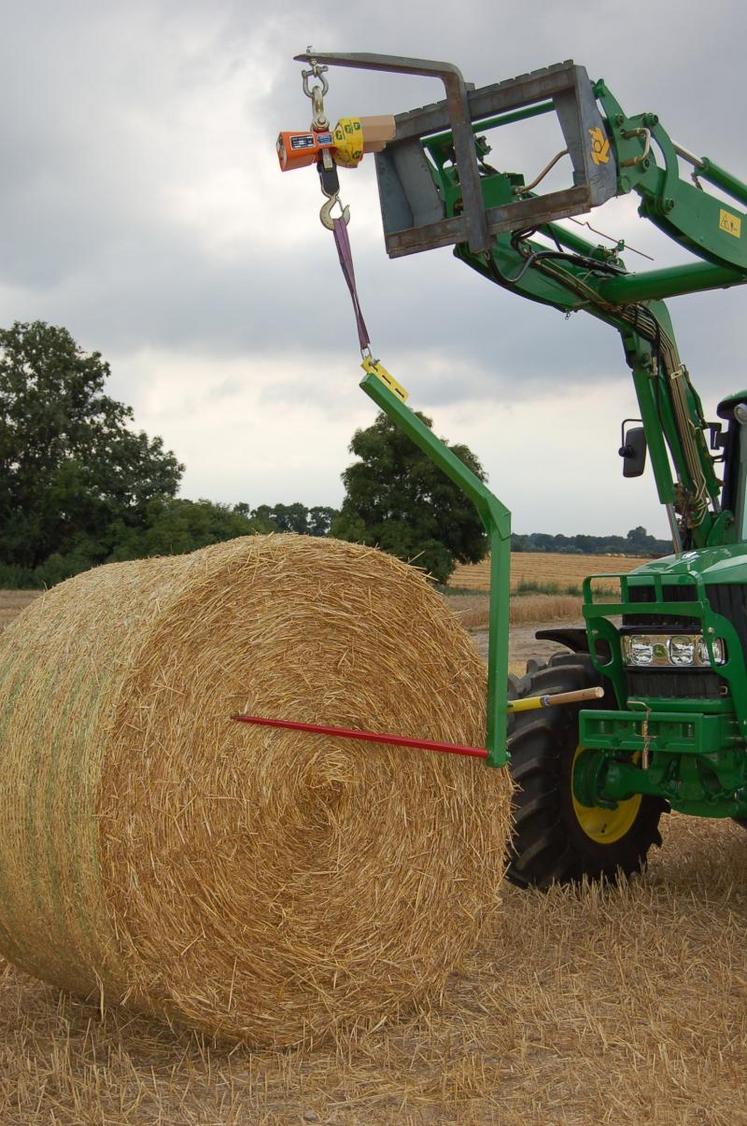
<point x="365" y="736"/>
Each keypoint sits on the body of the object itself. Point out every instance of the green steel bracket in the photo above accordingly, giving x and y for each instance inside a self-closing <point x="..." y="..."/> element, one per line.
<point x="496" y="520"/>
<point x="704" y="224"/>
<point x="680" y="733"/>
<point x="697" y="762"/>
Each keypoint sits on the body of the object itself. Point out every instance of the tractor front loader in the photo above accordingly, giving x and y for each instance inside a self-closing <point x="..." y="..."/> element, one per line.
<point x="647" y="711"/>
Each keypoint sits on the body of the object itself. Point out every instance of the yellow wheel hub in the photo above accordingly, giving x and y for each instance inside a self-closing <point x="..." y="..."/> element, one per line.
<point x="604" y="826"/>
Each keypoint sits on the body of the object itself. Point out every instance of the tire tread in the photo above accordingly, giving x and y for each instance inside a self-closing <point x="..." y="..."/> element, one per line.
<point x="548" y="844"/>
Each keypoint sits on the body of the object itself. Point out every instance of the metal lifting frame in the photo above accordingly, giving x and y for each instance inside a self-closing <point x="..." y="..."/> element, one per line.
<point x="411" y="225"/>
<point x="496" y="520"/>
<point x="412" y="209"/>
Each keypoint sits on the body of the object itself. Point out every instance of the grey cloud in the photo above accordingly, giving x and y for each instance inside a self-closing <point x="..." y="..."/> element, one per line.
<point x="89" y="105"/>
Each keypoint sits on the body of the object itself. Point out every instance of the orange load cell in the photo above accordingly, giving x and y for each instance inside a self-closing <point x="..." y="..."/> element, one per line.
<point x="296" y="150"/>
<point x="350" y="139"/>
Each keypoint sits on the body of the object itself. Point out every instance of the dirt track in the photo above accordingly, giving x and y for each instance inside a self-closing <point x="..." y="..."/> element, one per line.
<point x="523" y="644"/>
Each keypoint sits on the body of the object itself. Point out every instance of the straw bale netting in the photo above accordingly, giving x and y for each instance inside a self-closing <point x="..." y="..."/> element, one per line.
<point x="264" y="885"/>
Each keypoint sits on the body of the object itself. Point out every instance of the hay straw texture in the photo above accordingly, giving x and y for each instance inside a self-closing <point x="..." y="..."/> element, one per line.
<point x="263" y="885"/>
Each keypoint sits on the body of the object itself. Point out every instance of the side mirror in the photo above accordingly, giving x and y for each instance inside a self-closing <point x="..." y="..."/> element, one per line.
<point x="633" y="450"/>
<point x="717" y="437"/>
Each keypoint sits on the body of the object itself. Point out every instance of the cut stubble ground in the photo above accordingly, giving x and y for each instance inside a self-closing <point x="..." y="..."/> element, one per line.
<point x="545" y="568"/>
<point x="12" y="602"/>
<point x="588" y="1006"/>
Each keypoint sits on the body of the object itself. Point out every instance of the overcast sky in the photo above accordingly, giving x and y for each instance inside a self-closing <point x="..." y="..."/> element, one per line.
<point x="142" y="208"/>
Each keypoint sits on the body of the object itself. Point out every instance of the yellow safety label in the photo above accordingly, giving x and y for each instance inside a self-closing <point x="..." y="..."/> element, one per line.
<point x="730" y="223"/>
<point x="373" y="367"/>
<point x="600" y="146"/>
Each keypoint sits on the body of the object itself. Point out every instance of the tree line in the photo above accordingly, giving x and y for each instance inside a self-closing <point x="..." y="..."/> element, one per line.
<point x="80" y="486"/>
<point x="636" y="542"/>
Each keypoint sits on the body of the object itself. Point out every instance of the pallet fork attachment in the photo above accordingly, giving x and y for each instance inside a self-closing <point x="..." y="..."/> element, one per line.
<point x="411" y="206"/>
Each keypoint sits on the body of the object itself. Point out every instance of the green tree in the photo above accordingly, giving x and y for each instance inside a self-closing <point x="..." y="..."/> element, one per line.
<point x="294" y="517"/>
<point x="320" y="519"/>
<point x="263" y="515"/>
<point x="71" y="467"/>
<point x="639" y="538"/>
<point x="291" y="518"/>
<point x="174" y="525"/>
<point x="170" y="526"/>
<point x="398" y="500"/>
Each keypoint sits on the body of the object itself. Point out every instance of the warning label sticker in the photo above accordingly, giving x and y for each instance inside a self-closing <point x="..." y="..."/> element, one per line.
<point x="730" y="223"/>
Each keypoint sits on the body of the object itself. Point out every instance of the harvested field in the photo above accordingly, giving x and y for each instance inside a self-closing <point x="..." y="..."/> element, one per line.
<point x="544" y="569"/>
<point x="584" y="1007"/>
<point x="472" y="609"/>
<point x="546" y="587"/>
<point x="12" y="602"/>
<point x="579" y="1008"/>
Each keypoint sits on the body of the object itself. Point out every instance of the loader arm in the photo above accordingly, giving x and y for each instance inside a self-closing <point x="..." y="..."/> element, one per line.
<point x="437" y="188"/>
<point x="554" y="266"/>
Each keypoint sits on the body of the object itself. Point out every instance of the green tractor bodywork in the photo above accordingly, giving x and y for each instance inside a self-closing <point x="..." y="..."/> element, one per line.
<point x="676" y="730"/>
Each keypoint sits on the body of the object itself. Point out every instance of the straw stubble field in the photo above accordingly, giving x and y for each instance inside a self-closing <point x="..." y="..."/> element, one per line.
<point x="546" y="569"/>
<point x="588" y="1006"/>
<point x="545" y="587"/>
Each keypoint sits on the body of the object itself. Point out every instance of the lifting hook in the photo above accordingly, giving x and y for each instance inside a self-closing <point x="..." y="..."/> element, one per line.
<point x="326" y="211"/>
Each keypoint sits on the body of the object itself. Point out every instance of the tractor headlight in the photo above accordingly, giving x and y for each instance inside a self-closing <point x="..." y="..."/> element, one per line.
<point x="682" y="650"/>
<point x="638" y="650"/>
<point x="677" y="650"/>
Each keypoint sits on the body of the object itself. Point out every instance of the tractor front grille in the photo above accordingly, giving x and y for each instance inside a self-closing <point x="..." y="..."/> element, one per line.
<point x="730" y="600"/>
<point x="675" y="684"/>
<point x="682" y="684"/>
<point x="648" y="621"/>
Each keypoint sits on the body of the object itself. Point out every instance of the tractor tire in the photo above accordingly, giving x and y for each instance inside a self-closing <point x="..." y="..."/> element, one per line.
<point x="555" y="838"/>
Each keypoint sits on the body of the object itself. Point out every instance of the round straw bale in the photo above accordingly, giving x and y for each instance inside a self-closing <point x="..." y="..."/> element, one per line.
<point x="265" y="885"/>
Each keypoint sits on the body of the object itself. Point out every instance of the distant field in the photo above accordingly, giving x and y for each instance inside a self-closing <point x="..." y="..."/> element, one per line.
<point x="472" y="609"/>
<point x="544" y="570"/>
<point x="545" y="588"/>
<point x="12" y="602"/>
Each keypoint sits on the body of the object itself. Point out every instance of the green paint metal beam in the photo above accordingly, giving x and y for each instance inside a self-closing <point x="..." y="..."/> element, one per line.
<point x="446" y="138"/>
<point x="672" y="281"/>
<point x="496" y="519"/>
<point x="715" y="174"/>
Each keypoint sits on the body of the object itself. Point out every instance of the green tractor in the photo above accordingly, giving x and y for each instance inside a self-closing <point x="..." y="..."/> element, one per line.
<point x="657" y="678"/>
